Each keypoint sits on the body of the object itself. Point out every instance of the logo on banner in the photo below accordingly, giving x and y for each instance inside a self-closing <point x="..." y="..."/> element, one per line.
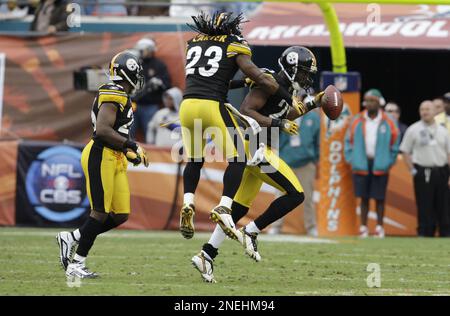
<point x="55" y="184"/>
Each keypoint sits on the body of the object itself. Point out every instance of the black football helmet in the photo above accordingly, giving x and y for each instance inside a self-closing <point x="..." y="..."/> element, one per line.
<point x="299" y="64"/>
<point x="125" y="66"/>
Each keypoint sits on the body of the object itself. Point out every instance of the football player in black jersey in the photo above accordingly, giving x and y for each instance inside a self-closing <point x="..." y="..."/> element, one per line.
<point x="104" y="162"/>
<point x="212" y="59"/>
<point x="298" y="67"/>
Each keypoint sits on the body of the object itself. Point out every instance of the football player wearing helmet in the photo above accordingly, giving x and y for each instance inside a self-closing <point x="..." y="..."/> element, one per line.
<point x="104" y="162"/>
<point x="298" y="68"/>
<point x="212" y="59"/>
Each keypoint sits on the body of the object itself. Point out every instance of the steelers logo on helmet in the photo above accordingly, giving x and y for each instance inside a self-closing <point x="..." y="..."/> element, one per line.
<point x="132" y="65"/>
<point x="292" y="58"/>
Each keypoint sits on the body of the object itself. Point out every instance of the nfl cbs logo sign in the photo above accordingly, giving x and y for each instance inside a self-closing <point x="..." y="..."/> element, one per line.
<point x="55" y="184"/>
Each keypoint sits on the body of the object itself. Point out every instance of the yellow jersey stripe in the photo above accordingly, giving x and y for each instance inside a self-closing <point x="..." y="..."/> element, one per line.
<point x="235" y="49"/>
<point x="110" y="97"/>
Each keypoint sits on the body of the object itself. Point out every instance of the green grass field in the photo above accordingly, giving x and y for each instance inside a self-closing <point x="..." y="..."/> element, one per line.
<point x="158" y="263"/>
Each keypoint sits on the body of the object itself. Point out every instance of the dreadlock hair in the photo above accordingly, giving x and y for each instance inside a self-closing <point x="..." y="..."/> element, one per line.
<point x="217" y="24"/>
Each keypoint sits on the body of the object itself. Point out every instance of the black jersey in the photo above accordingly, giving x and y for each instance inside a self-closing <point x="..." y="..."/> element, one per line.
<point x="116" y="95"/>
<point x="211" y="64"/>
<point x="275" y="107"/>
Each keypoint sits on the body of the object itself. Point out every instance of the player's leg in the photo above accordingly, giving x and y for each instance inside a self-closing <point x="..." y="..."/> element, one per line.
<point x="191" y="118"/>
<point x="68" y="241"/>
<point x="229" y="140"/>
<point x="100" y="169"/>
<point x="274" y="171"/>
<point x="120" y="205"/>
<point x="204" y="260"/>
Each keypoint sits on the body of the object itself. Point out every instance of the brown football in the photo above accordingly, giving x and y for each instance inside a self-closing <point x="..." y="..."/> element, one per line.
<point x="332" y="102"/>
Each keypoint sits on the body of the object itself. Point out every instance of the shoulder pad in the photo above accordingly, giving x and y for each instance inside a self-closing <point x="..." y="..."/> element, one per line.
<point x="113" y="87"/>
<point x="112" y="93"/>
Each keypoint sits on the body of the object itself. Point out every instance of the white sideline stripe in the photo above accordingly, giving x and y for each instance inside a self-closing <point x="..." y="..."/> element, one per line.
<point x="210" y="174"/>
<point x="382" y="264"/>
<point x="295" y="239"/>
<point x="165" y="234"/>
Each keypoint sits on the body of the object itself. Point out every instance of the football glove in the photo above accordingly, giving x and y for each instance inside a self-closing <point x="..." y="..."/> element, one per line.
<point x="298" y="106"/>
<point x="135" y="153"/>
<point x="287" y="126"/>
<point x="318" y="98"/>
<point x="249" y="82"/>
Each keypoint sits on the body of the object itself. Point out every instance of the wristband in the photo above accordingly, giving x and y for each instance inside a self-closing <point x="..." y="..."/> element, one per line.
<point x="235" y="84"/>
<point x="276" y="122"/>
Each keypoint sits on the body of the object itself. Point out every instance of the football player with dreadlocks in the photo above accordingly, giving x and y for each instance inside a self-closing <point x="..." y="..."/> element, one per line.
<point x="298" y="67"/>
<point x="104" y="162"/>
<point x="212" y="59"/>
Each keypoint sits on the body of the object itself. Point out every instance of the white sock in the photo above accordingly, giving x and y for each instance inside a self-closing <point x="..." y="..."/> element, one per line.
<point x="217" y="237"/>
<point x="252" y="228"/>
<point x="79" y="258"/>
<point x="226" y="201"/>
<point x="188" y="198"/>
<point x="76" y="233"/>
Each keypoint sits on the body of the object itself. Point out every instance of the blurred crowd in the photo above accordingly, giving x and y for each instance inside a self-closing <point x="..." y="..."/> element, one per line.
<point x="13" y="9"/>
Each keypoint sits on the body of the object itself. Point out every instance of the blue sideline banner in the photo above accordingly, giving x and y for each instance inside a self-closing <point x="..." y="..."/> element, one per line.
<point x="51" y="189"/>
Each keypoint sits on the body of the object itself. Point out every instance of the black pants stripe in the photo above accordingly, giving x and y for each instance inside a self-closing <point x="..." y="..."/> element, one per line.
<point x="95" y="178"/>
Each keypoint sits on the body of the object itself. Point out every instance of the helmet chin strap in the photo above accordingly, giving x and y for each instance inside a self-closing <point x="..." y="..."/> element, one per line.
<point x="128" y="78"/>
<point x="291" y="78"/>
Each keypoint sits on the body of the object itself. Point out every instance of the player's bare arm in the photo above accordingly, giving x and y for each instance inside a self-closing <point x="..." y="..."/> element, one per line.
<point x="252" y="71"/>
<point x="105" y="122"/>
<point x="253" y="102"/>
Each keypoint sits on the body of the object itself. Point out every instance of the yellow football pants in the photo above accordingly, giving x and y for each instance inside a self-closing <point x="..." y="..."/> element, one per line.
<point x="199" y="117"/>
<point x="106" y="179"/>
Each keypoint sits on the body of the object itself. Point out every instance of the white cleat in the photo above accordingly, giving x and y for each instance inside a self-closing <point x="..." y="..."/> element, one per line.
<point x="67" y="245"/>
<point x="250" y="244"/>
<point x="79" y="270"/>
<point x="363" y="231"/>
<point x="379" y="231"/>
<point x="204" y="266"/>
<point x="222" y="216"/>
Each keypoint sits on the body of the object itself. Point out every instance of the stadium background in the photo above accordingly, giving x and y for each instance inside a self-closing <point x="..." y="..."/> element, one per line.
<point x="40" y="103"/>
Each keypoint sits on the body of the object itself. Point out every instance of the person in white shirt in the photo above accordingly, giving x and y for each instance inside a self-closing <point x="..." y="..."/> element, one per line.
<point x="426" y="151"/>
<point x="169" y="134"/>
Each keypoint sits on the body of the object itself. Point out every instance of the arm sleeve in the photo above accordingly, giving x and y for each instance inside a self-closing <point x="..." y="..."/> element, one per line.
<point x="407" y="142"/>
<point x="394" y="150"/>
<point x="448" y="144"/>
<point x="348" y="147"/>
